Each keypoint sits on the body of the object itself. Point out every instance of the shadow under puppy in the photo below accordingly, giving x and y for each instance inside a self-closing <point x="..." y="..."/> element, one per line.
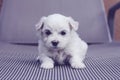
<point x="58" y="41"/>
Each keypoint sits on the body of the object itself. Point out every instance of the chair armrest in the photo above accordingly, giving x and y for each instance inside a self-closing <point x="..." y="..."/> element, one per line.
<point x="111" y="17"/>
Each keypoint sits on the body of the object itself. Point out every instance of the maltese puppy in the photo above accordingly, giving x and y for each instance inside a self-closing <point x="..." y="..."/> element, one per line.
<point x="59" y="42"/>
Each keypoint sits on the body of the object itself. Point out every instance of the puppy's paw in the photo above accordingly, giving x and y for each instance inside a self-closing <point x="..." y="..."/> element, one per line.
<point x="77" y="65"/>
<point x="47" y="65"/>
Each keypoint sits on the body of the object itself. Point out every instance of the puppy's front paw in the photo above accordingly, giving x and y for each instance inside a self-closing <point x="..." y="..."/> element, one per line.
<point x="47" y="65"/>
<point x="77" y="65"/>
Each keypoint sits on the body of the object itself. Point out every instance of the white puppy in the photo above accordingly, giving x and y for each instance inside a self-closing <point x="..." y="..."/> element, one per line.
<point x="59" y="42"/>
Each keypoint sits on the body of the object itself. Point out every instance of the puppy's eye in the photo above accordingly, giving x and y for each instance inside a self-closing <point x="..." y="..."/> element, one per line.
<point x="48" y="32"/>
<point x="63" y="33"/>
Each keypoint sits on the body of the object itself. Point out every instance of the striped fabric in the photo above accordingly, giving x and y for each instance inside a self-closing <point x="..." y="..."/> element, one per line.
<point x="17" y="62"/>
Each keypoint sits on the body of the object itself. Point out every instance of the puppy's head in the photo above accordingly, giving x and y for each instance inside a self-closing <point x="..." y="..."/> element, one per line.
<point x="55" y="30"/>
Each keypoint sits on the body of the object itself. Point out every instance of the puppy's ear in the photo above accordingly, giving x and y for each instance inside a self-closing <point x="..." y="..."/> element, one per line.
<point x="40" y="24"/>
<point x="73" y="24"/>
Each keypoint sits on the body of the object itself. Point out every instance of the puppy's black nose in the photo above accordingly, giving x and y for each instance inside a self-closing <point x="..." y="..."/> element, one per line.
<point x="55" y="43"/>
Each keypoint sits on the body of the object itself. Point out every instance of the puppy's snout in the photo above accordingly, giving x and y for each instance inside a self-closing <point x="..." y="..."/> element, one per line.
<point x="55" y="43"/>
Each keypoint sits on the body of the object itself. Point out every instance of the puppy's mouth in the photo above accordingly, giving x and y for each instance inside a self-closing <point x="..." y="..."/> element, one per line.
<point x="55" y="48"/>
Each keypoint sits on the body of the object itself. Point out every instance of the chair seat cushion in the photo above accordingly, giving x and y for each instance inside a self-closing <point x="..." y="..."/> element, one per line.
<point x="18" y="62"/>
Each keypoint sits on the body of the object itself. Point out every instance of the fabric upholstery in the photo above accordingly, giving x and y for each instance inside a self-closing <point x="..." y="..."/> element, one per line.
<point x="18" y="18"/>
<point x="17" y="62"/>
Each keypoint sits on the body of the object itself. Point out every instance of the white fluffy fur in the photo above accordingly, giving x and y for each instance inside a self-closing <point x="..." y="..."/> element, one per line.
<point x="69" y="45"/>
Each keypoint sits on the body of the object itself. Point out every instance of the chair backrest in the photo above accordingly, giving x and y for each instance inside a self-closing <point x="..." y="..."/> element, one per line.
<point x="18" y="18"/>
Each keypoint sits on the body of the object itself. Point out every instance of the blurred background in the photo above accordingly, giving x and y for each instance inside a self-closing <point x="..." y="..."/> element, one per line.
<point x="108" y="4"/>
